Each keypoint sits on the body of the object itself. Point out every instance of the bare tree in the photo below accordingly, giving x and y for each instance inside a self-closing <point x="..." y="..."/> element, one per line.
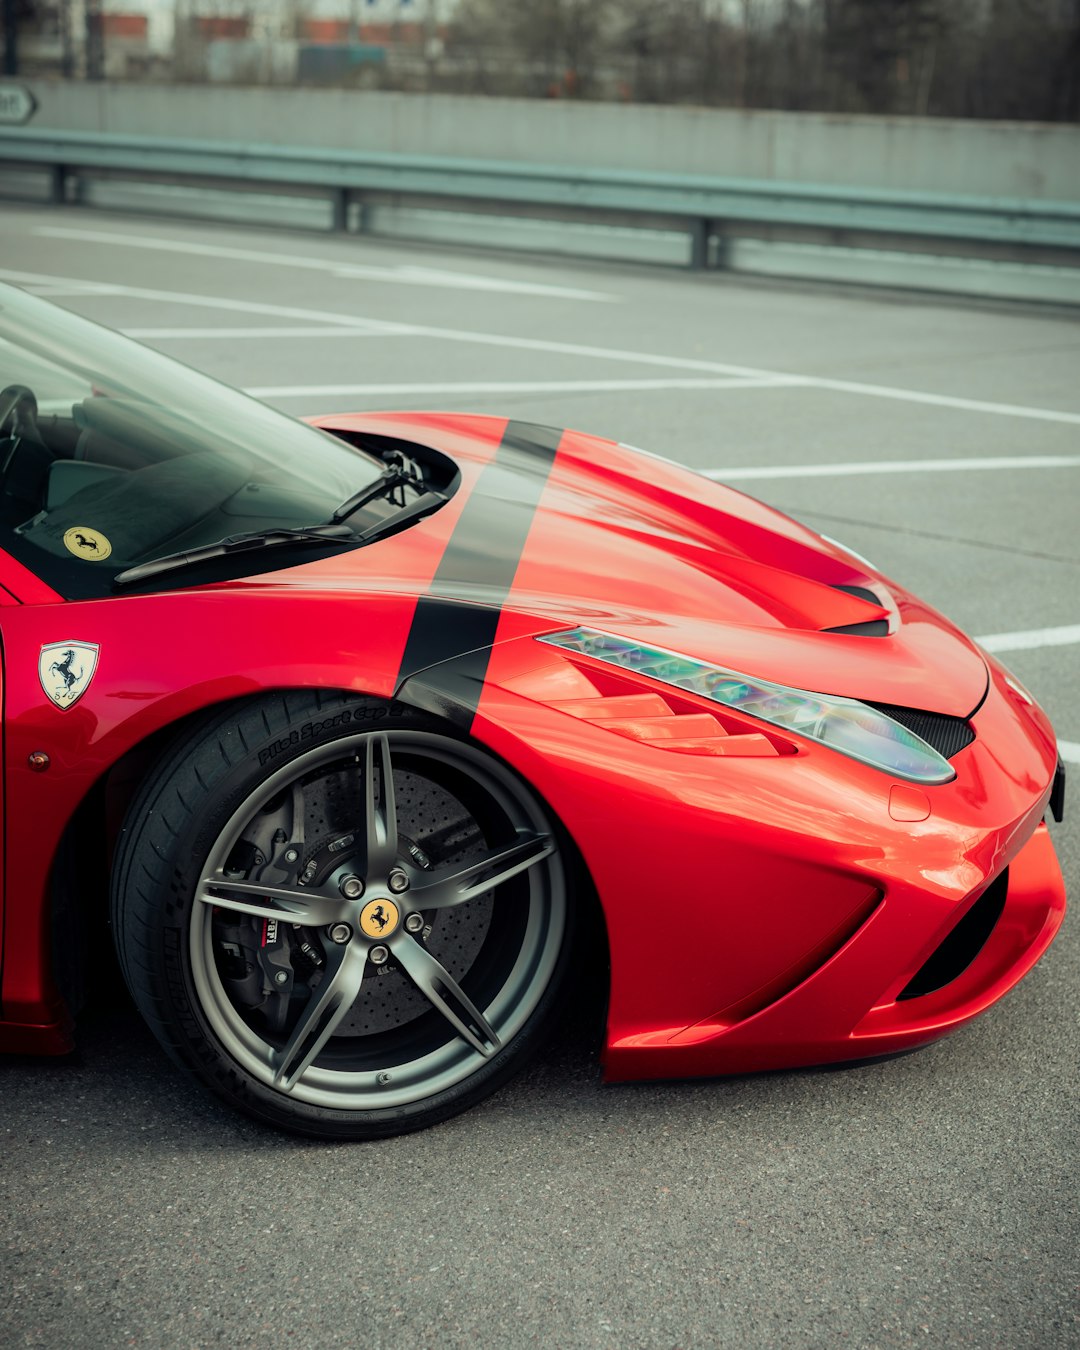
<point x="554" y="45"/>
<point x="967" y="58"/>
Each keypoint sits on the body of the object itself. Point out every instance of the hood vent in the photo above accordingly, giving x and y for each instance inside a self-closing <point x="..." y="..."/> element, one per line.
<point x="871" y="628"/>
<point x="947" y="735"/>
<point x="860" y="593"/>
<point x="874" y="628"/>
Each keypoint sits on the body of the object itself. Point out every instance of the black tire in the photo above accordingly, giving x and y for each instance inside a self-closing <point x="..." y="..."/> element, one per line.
<point x="261" y="971"/>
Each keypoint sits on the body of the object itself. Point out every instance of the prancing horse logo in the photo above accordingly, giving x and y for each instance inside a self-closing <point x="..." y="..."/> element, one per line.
<point x="87" y="543"/>
<point x="65" y="670"/>
<point x="379" y="918"/>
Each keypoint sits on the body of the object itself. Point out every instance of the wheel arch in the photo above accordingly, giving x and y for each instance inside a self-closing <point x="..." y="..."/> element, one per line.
<point x="78" y="914"/>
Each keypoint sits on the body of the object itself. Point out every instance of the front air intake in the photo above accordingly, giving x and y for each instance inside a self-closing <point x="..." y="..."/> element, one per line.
<point x="963" y="943"/>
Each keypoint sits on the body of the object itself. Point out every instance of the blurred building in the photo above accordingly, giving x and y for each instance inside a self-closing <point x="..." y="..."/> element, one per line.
<point x="226" y="39"/>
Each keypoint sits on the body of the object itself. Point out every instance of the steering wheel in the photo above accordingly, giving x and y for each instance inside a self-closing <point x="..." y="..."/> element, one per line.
<point x="18" y="403"/>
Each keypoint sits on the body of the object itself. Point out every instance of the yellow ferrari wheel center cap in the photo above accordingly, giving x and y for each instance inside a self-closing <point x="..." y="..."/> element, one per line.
<point x="379" y="918"/>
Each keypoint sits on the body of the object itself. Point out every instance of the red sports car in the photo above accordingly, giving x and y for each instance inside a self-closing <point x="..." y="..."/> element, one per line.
<point x="352" y="730"/>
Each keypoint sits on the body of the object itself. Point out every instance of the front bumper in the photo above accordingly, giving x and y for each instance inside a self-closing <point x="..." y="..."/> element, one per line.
<point x="952" y="927"/>
<point x="826" y="1004"/>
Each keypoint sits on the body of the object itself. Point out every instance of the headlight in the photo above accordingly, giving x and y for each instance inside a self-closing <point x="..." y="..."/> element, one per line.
<point x="842" y="724"/>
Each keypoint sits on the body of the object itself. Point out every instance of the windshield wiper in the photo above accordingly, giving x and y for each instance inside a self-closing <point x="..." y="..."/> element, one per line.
<point x="335" y="531"/>
<point x="382" y="487"/>
<point x="427" y="502"/>
<point x="401" y="473"/>
<point x="332" y="532"/>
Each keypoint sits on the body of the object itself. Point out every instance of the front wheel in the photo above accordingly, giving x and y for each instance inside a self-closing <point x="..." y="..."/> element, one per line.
<point x="342" y="918"/>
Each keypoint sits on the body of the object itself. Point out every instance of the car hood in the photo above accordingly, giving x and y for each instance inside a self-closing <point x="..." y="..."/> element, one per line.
<point x="560" y="529"/>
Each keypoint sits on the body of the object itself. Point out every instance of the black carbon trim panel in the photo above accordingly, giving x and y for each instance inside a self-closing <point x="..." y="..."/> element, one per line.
<point x="947" y="735"/>
<point x="1057" y="793"/>
<point x="481" y="557"/>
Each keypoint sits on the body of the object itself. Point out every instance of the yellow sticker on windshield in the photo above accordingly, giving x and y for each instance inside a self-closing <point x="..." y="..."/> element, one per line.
<point x="90" y="545"/>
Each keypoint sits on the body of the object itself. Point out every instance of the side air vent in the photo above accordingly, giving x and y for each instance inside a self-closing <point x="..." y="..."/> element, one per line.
<point x="963" y="943"/>
<point x="947" y="735"/>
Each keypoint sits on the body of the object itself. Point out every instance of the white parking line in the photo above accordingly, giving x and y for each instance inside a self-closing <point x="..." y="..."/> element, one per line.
<point x="1069" y="751"/>
<point x="73" y="288"/>
<point x="498" y="387"/>
<point x="273" y="331"/>
<point x="767" y="378"/>
<point x="944" y="400"/>
<point x="400" y="275"/>
<point x="872" y="466"/>
<point x="1030" y="638"/>
<point x="32" y="280"/>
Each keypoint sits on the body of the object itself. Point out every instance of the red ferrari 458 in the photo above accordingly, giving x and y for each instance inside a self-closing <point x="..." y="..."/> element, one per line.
<point x="352" y="730"/>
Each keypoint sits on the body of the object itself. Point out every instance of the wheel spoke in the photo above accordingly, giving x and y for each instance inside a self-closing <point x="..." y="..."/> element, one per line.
<point x="455" y="885"/>
<point x="298" y="814"/>
<point x="445" y="994"/>
<point x="380" y="820"/>
<point x="321" y="1016"/>
<point x="269" y="902"/>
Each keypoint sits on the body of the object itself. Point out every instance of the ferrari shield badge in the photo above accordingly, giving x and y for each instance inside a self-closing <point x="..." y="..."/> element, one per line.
<point x="65" y="670"/>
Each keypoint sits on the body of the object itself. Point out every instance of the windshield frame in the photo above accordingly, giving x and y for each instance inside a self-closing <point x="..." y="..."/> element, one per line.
<point x="88" y="374"/>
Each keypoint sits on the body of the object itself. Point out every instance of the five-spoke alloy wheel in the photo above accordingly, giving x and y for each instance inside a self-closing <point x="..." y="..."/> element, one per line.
<point x="340" y="916"/>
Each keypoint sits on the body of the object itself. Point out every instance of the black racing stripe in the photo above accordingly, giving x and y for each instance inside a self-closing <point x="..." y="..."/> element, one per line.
<point x="481" y="560"/>
<point x="443" y="628"/>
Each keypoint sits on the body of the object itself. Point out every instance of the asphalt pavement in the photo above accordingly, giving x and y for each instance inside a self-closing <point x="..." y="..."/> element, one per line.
<point x="926" y="1201"/>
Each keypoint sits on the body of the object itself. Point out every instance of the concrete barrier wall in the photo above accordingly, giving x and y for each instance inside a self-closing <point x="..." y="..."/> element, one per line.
<point x="988" y="159"/>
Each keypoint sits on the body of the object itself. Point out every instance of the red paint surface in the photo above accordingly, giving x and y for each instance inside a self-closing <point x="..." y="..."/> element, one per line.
<point x="800" y="906"/>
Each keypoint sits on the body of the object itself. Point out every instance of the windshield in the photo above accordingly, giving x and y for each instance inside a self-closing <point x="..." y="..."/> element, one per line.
<point x="112" y="454"/>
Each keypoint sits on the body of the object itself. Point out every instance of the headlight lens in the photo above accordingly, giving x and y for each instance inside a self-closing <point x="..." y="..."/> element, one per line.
<point x="843" y="724"/>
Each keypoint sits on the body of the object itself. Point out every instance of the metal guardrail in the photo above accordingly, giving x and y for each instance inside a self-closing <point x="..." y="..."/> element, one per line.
<point x="706" y="205"/>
